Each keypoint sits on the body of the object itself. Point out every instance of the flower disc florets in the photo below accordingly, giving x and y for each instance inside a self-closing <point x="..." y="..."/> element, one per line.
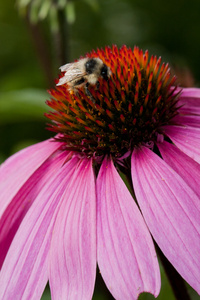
<point x="120" y="113"/>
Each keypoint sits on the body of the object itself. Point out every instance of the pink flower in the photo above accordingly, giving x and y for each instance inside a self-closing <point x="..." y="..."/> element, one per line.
<point x="65" y="208"/>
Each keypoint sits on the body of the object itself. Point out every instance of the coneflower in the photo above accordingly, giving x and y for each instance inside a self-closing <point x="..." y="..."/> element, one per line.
<point x="63" y="203"/>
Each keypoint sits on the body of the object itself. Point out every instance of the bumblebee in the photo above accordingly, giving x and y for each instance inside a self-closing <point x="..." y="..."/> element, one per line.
<point x="84" y="72"/>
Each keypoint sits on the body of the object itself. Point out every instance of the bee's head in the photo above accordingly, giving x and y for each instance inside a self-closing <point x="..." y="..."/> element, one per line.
<point x="105" y="72"/>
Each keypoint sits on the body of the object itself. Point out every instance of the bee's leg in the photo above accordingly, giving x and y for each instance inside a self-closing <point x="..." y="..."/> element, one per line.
<point x="88" y="92"/>
<point x="79" y="82"/>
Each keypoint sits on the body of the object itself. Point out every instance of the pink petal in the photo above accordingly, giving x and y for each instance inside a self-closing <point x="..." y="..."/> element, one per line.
<point x="24" y="273"/>
<point x="190" y="120"/>
<point x="189" y="101"/>
<point x="171" y="210"/>
<point x="190" y="94"/>
<point x="187" y="139"/>
<point x="185" y="166"/>
<point x="125" y="251"/>
<point x="15" y="171"/>
<point x="73" y="247"/>
<point x="22" y="201"/>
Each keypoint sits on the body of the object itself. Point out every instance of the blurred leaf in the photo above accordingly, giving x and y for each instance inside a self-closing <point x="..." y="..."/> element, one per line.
<point x="22" y="6"/>
<point x="22" y="105"/>
<point x="44" y="9"/>
<point x="62" y="3"/>
<point x="34" y="10"/>
<point x="53" y="16"/>
<point x="94" y="4"/>
<point x="23" y="144"/>
<point x="22" y="3"/>
<point x="70" y="13"/>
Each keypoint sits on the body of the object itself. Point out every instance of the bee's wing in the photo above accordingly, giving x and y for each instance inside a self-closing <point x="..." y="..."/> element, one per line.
<point x="72" y="72"/>
<point x="65" y="67"/>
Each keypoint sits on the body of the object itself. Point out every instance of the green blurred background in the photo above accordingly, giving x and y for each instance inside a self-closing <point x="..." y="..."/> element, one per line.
<point x="37" y="37"/>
